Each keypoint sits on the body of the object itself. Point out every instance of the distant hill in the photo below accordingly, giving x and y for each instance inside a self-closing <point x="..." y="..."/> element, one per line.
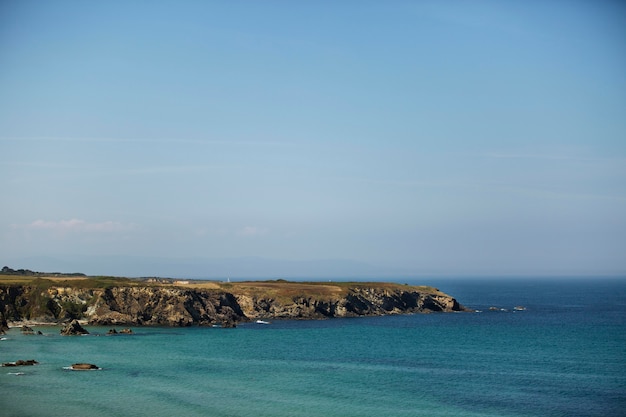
<point x="27" y="272"/>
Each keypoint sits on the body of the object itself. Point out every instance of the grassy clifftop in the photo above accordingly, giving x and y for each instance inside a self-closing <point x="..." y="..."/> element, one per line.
<point x="269" y="288"/>
<point x="160" y="301"/>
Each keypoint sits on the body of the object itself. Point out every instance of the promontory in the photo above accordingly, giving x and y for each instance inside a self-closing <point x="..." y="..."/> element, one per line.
<point x="57" y="298"/>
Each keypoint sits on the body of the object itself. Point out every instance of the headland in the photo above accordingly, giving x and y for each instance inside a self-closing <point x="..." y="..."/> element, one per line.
<point x="41" y="298"/>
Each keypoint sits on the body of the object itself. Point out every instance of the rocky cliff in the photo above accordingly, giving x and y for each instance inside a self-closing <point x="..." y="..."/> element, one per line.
<point x="223" y="305"/>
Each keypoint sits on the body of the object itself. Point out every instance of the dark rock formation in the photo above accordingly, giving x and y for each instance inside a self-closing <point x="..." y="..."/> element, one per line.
<point x="360" y="301"/>
<point x="4" y="326"/>
<point x="84" y="367"/>
<point x="38" y="302"/>
<point x="140" y="306"/>
<point x="28" y="362"/>
<point x="26" y="330"/>
<point x="123" y="331"/>
<point x="73" y="329"/>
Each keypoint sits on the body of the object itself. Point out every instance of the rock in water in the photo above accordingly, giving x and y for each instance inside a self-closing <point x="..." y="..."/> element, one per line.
<point x="29" y="362"/>
<point x="27" y="330"/>
<point x="74" y="328"/>
<point x="84" y="367"/>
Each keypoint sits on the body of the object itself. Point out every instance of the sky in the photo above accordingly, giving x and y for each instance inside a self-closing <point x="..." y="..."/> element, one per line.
<point x="313" y="138"/>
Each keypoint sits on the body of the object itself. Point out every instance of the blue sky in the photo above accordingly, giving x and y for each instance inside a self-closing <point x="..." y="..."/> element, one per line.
<point x="415" y="138"/>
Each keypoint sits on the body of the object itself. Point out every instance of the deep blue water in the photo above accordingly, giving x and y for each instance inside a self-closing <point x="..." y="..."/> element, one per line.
<point x="564" y="356"/>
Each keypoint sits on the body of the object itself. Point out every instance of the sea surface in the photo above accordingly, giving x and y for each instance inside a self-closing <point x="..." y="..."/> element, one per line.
<point x="565" y="355"/>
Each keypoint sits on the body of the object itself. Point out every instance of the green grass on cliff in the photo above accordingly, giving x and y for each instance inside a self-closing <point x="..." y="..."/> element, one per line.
<point x="285" y="290"/>
<point x="275" y="289"/>
<point x="44" y="281"/>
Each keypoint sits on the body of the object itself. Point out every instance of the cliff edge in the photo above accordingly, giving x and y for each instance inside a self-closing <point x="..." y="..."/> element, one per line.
<point x="181" y="303"/>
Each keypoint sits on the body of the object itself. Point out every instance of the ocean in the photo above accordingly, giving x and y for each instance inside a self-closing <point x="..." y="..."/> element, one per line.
<point x="565" y="355"/>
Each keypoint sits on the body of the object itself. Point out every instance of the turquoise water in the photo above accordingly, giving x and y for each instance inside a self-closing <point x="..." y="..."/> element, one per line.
<point x="564" y="356"/>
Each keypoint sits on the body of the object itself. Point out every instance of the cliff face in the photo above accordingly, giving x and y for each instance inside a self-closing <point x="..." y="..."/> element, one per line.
<point x="174" y="306"/>
<point x="367" y="301"/>
<point x="164" y="306"/>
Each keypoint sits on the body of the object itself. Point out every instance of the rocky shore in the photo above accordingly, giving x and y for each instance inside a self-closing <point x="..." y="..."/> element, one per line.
<point x="224" y="305"/>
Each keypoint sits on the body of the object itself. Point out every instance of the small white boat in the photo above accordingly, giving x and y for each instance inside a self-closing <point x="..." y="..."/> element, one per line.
<point x="262" y="322"/>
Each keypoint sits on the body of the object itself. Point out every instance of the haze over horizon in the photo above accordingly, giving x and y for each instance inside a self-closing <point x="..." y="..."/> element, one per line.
<point x="313" y="138"/>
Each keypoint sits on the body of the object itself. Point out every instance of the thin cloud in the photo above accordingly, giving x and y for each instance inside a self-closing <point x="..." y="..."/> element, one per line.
<point x="94" y="172"/>
<point x="547" y="192"/>
<point x="76" y="225"/>
<point x="549" y="157"/>
<point x="252" y="231"/>
<point x="498" y="155"/>
<point x="148" y="140"/>
<point x="171" y="169"/>
<point x="404" y="183"/>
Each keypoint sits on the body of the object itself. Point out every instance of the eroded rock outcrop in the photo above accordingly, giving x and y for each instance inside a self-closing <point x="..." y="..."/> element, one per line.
<point x="4" y="326"/>
<point x="141" y="305"/>
<point x="360" y="301"/>
<point x="73" y="329"/>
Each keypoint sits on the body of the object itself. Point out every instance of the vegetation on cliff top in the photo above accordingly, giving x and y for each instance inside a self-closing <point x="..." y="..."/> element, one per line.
<point x="277" y="289"/>
<point x="27" y="272"/>
<point x="164" y="301"/>
<point x="280" y="287"/>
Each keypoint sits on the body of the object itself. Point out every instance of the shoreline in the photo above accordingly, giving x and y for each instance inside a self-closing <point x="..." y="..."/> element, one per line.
<point x="30" y="323"/>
